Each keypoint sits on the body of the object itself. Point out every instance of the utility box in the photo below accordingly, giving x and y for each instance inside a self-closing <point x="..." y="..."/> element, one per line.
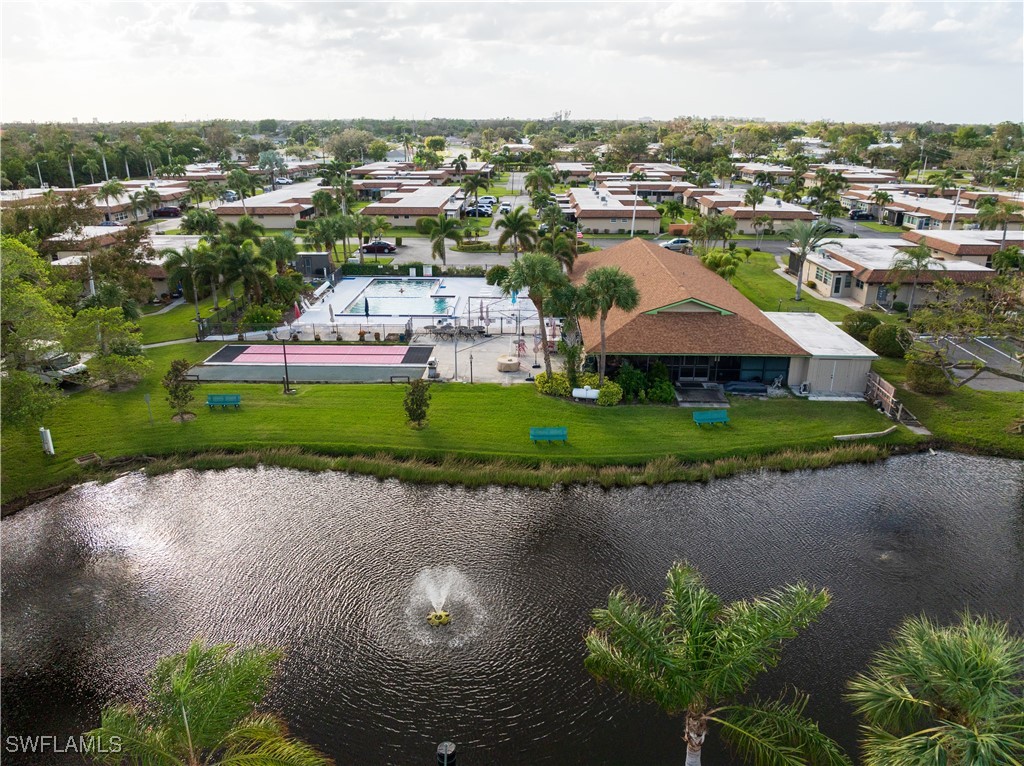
<point x="432" y="373"/>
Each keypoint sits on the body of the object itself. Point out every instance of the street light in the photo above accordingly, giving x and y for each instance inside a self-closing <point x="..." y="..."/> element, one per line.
<point x="284" y="349"/>
<point x="636" y="195"/>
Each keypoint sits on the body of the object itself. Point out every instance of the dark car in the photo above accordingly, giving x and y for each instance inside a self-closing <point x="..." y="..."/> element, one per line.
<point x="861" y="215"/>
<point x="167" y="212"/>
<point x="378" y="246"/>
<point x="831" y="228"/>
<point x="478" y="212"/>
<point x="543" y="228"/>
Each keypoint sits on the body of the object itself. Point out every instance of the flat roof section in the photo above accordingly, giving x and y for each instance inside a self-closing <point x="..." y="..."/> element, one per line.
<point x="819" y="336"/>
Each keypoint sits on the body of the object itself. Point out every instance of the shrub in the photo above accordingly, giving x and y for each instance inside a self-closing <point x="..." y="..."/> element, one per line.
<point x="180" y="390"/>
<point x="811" y="284"/>
<point x="398" y="241"/>
<point x="853" y="236"/>
<point x="589" y="379"/>
<point x="497" y="274"/>
<point x="262" y="315"/>
<point x="899" y="307"/>
<point x="661" y="393"/>
<point x="611" y="394"/>
<point x="631" y="381"/>
<point x="474" y="247"/>
<point x="889" y="340"/>
<point x="927" y="379"/>
<point x="555" y="385"/>
<point x="859" y="324"/>
<point x="657" y="373"/>
<point x="572" y="355"/>
<point x="417" y="400"/>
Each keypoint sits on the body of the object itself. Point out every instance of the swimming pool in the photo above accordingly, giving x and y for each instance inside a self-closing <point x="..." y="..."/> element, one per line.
<point x="405" y="297"/>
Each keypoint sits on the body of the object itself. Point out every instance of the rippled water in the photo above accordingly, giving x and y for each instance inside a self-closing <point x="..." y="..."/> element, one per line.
<point x="341" y="571"/>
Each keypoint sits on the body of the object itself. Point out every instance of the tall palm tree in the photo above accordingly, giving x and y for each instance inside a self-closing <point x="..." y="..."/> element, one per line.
<point x="360" y="227"/>
<point x="539" y="181"/>
<point x="439" y="229"/>
<point x="102" y="141"/>
<point x="609" y="287"/>
<point x="541" y="276"/>
<point x="184" y="268"/>
<point x="459" y="164"/>
<point x="242" y="182"/>
<point x="110" y="190"/>
<point x="280" y="251"/>
<point x="66" y="146"/>
<point x="137" y="203"/>
<point x="805" y="236"/>
<point x="247" y="263"/>
<point x="944" y="695"/>
<point x="473" y="185"/>
<point x="561" y="248"/>
<point x="125" y="150"/>
<point x="994" y="214"/>
<point x="698" y="657"/>
<point x="763" y="224"/>
<point x="881" y="198"/>
<point x="210" y="266"/>
<point x="201" y="710"/>
<point x="91" y="166"/>
<point x="913" y="262"/>
<point x="753" y="198"/>
<point x="518" y="227"/>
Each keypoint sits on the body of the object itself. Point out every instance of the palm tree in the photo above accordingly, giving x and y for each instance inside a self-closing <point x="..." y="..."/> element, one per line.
<point x="539" y="181"/>
<point x="280" y="251"/>
<point x="124" y="150"/>
<point x="210" y="266"/>
<point x="245" y="262"/>
<point x="201" y="710"/>
<point x="609" y="287"/>
<point x="753" y="198"/>
<point x="184" y="268"/>
<point x="698" y="657"/>
<point x="459" y="164"/>
<point x="242" y="183"/>
<point x="944" y="695"/>
<point x="379" y="224"/>
<point x="541" y="275"/>
<point x="246" y="228"/>
<point x="561" y="248"/>
<point x="152" y="199"/>
<point x="102" y="141"/>
<point x="1008" y="259"/>
<point x="201" y="221"/>
<point x="913" y="262"/>
<point x="91" y="166"/>
<point x="324" y="203"/>
<point x="360" y="226"/>
<point x="519" y="228"/>
<point x="994" y="214"/>
<point x="763" y="224"/>
<point x="326" y="231"/>
<point x="66" y="146"/>
<point x="473" y="185"/>
<point x="724" y="170"/>
<point x="943" y="181"/>
<point x="674" y="209"/>
<point x="137" y="203"/>
<point x="805" y="236"/>
<point x="198" y="190"/>
<point x="439" y="229"/>
<point x="110" y="190"/>
<point x="881" y="198"/>
<point x="722" y="227"/>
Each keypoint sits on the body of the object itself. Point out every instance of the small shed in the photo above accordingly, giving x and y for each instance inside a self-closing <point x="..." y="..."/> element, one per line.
<point x="838" y="364"/>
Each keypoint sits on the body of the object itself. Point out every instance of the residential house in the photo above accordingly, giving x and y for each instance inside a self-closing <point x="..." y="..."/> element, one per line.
<point x="601" y="212"/>
<point x="402" y="208"/>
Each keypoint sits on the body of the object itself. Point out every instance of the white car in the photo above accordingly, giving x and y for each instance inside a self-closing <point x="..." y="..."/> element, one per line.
<point x="488" y="200"/>
<point x="505" y="207"/>
<point x="283" y="181"/>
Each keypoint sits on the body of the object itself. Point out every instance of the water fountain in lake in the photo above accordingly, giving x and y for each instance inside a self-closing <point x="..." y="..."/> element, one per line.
<point x="446" y="597"/>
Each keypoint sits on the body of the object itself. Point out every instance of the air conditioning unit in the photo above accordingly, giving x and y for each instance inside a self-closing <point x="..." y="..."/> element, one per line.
<point x="805" y="387"/>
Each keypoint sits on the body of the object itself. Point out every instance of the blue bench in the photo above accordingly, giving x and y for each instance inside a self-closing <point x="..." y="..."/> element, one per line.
<point x="700" y="417"/>
<point x="223" y="400"/>
<point x="549" y="434"/>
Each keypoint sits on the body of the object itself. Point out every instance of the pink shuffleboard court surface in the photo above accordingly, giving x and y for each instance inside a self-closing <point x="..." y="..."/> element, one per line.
<point x="330" y="355"/>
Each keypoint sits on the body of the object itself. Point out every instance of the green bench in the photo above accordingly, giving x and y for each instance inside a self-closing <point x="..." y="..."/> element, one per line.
<point x="700" y="417"/>
<point x="549" y="434"/>
<point x="223" y="400"/>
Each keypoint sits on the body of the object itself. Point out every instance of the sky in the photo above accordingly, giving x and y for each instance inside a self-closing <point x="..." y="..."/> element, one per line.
<point x="862" y="61"/>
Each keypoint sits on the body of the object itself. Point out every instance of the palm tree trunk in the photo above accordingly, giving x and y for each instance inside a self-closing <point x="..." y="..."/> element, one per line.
<point x="214" y="278"/>
<point x="127" y="173"/>
<point x="106" y="175"/>
<point x="604" y="350"/>
<point x="245" y="210"/>
<point x="195" y="296"/>
<point x="543" y="336"/>
<point x="696" y="730"/>
<point x="72" y="171"/>
<point x="799" y="275"/>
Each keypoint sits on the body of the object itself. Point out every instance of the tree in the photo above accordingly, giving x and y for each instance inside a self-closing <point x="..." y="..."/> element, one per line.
<point x="609" y="287"/>
<point x="242" y="183"/>
<point x="434" y="143"/>
<point x="753" y="198"/>
<point x="199" y="190"/>
<point x="210" y="267"/>
<point x="674" y="209"/>
<point x="473" y="185"/>
<point x="326" y="231"/>
<point x="805" y="236"/>
<point x="763" y="224"/>
<point x="539" y="181"/>
<point x="541" y="275"/>
<point x="114" y="341"/>
<point x="439" y="229"/>
<point x="417" y="401"/>
<point x="324" y="203"/>
<point x="360" y="226"/>
<point x="1008" y="259"/>
<point x="723" y="170"/>
<point x="881" y="198"/>
<point x="137" y="203"/>
<point x="561" y="248"/>
<point x="102" y="141"/>
<point x="723" y="262"/>
<point x="518" y="227"/>
<point x="698" y="657"/>
<point x="181" y="390"/>
<point x="378" y="150"/>
<point x="944" y="695"/>
<point x="912" y="263"/>
<point x="273" y="164"/>
<point x="110" y="190"/>
<point x="993" y="214"/>
<point x="202" y="221"/>
<point x="201" y="708"/>
<point x="248" y="264"/>
<point x="459" y="164"/>
<point x="184" y="268"/>
<point x="280" y="251"/>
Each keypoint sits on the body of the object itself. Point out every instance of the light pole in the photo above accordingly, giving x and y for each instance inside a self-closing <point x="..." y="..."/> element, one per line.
<point x="456" y="339"/>
<point x="956" y="204"/>
<point x="284" y="349"/>
<point x="636" y="194"/>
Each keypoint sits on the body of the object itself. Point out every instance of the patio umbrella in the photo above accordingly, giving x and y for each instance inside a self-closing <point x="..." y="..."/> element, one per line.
<point x="330" y="311"/>
<point x="366" y="307"/>
<point x="298" y="313"/>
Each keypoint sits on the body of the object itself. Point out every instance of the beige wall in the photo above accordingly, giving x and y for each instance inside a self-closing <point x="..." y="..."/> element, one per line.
<point x="267" y="221"/>
<point x="623" y="224"/>
<point x="837" y="376"/>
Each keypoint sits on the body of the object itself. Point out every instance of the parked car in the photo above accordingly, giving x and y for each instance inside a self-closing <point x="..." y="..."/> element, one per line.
<point x="167" y="212"/>
<point x="229" y="196"/>
<point x="378" y="246"/>
<point x="679" y="244"/>
<point x="283" y="181"/>
<point x="488" y="200"/>
<point x="831" y="228"/>
<point x="110" y="223"/>
<point x="505" y="207"/>
<point x="861" y="215"/>
<point x="479" y="212"/>
<point x="543" y="228"/>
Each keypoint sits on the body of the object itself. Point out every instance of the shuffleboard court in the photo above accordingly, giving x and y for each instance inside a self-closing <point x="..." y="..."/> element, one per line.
<point x="309" y="363"/>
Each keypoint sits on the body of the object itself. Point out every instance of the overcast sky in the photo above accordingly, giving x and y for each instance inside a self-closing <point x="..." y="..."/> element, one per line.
<point x="854" y="60"/>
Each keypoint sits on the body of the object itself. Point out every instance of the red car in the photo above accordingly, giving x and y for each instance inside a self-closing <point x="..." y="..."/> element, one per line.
<point x="378" y="246"/>
<point x="167" y="212"/>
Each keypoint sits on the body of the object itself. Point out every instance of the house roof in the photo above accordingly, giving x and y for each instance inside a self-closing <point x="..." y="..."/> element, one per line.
<point x="684" y="309"/>
<point x="872" y="261"/>
<point x="819" y="336"/>
<point x="964" y="241"/>
<point x="251" y="209"/>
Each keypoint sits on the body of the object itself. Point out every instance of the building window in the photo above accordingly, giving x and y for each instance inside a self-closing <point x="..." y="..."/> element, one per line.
<point x="825" y="277"/>
<point x="860" y="285"/>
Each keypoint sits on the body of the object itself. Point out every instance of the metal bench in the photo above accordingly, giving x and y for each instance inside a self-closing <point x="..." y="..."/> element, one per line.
<point x="223" y="400"/>
<point x="700" y="417"/>
<point x="550" y="434"/>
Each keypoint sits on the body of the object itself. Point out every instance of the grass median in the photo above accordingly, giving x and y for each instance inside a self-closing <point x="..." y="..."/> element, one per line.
<point x="479" y="425"/>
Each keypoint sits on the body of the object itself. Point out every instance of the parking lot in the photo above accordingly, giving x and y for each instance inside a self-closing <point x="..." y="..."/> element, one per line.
<point x="999" y="353"/>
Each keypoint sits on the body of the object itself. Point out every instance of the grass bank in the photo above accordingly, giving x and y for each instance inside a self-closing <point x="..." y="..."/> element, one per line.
<point x="484" y="425"/>
<point x="770" y="292"/>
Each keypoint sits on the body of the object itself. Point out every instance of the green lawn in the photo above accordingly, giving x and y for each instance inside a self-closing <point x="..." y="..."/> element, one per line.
<point x="974" y="419"/>
<point x="473" y="422"/>
<point x="758" y="282"/>
<point x="881" y="227"/>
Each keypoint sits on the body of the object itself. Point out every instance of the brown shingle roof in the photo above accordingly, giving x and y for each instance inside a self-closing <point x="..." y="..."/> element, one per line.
<point x="249" y="209"/>
<point x="665" y="278"/>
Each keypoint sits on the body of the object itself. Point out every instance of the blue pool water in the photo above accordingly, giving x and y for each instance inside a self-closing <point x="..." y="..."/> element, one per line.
<point x="407" y="297"/>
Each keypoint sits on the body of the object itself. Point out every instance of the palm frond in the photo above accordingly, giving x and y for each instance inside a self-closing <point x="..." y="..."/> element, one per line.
<point x="124" y="735"/>
<point x="262" y="740"/>
<point x="690" y="613"/>
<point x="776" y="732"/>
<point x="751" y="633"/>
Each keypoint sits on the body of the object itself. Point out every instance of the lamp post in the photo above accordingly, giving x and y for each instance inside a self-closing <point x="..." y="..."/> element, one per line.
<point x="636" y="194"/>
<point x="456" y="339"/>
<point x="956" y="204"/>
<point x="284" y="349"/>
